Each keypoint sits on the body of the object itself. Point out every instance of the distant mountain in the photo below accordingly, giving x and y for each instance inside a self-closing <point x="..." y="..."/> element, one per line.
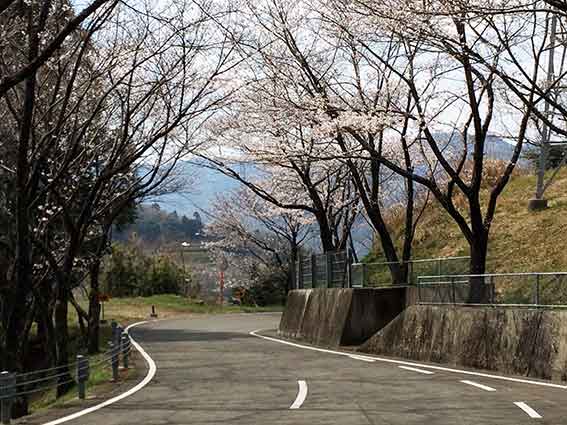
<point x="495" y="147"/>
<point x="202" y="185"/>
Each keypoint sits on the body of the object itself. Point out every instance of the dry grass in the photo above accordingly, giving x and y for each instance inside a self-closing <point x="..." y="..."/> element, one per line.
<point x="521" y="241"/>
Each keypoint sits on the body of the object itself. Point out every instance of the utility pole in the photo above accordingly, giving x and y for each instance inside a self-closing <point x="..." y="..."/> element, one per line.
<point x="539" y="202"/>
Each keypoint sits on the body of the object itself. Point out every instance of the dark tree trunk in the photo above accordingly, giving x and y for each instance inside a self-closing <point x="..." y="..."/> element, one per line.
<point x="62" y="338"/>
<point x="94" y="309"/>
<point x="294" y="253"/>
<point x="478" y="250"/>
<point x="12" y="360"/>
<point x="408" y="229"/>
<point x="46" y="332"/>
<point x="396" y="269"/>
<point x="326" y="235"/>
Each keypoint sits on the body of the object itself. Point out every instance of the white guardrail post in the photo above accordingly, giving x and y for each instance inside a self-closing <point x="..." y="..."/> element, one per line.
<point x="125" y="348"/>
<point x="83" y="372"/>
<point x="7" y="393"/>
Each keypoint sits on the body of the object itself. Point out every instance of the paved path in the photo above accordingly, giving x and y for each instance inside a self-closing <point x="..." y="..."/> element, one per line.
<point x="210" y="370"/>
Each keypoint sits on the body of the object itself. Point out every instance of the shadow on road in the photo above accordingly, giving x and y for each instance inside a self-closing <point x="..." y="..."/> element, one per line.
<point x="179" y="335"/>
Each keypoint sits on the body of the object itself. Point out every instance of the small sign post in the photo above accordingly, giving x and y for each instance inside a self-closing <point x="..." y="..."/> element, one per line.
<point x="222" y="266"/>
<point x="103" y="298"/>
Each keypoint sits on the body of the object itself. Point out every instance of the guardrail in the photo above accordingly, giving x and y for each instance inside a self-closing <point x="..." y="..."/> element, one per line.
<point x="378" y="274"/>
<point x="547" y="290"/>
<point x="14" y="385"/>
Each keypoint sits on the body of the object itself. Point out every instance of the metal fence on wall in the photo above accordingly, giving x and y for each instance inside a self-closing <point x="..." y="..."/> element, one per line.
<point x="518" y="289"/>
<point x="329" y="270"/>
<point x="378" y="274"/>
<point x="334" y="270"/>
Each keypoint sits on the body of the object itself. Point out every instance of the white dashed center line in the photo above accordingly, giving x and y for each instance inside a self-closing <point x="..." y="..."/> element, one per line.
<point x="414" y="369"/>
<point x="476" y="384"/>
<point x="301" y="395"/>
<point x="530" y="412"/>
<point x="364" y="359"/>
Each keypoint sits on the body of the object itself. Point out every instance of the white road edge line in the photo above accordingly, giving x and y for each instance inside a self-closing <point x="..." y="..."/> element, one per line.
<point x="413" y="369"/>
<point x="362" y="358"/>
<point x="401" y="362"/>
<point x="476" y="384"/>
<point x="531" y="412"/>
<point x="301" y="395"/>
<point x="151" y="372"/>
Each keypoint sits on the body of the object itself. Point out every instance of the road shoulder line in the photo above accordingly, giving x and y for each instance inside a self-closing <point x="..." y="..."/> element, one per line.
<point x="411" y="364"/>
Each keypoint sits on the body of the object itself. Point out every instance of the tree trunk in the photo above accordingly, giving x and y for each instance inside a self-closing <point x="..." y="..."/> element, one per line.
<point x="94" y="309"/>
<point x="397" y="272"/>
<point x="326" y="235"/>
<point x="478" y="250"/>
<point x="292" y="281"/>
<point x="408" y="230"/>
<point x="12" y="359"/>
<point x="46" y="332"/>
<point x="62" y="338"/>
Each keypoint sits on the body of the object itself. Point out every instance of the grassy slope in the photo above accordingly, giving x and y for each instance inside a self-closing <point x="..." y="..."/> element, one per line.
<point x="521" y="241"/>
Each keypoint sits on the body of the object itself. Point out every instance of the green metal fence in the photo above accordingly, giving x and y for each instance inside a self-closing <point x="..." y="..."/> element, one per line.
<point x="334" y="270"/>
<point x="329" y="270"/>
<point x="513" y="289"/>
<point x="378" y="274"/>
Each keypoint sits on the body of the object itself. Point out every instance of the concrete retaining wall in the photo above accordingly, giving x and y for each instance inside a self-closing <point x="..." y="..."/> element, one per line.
<point x="524" y="342"/>
<point x="371" y="310"/>
<point x="292" y="316"/>
<point x="325" y="316"/>
<point x="334" y="317"/>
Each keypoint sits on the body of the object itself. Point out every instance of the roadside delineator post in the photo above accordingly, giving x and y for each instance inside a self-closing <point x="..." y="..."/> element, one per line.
<point x="154" y="314"/>
<point x="118" y="336"/>
<point x="125" y="344"/>
<point x="83" y="372"/>
<point x="7" y="394"/>
<point x="114" y="349"/>
<point x="114" y="327"/>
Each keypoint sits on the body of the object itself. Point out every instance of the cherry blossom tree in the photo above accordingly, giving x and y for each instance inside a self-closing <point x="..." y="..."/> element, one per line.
<point x="308" y="81"/>
<point x="450" y="61"/>
<point x="44" y="40"/>
<point x="284" y="170"/>
<point x="101" y="125"/>
<point x="248" y="227"/>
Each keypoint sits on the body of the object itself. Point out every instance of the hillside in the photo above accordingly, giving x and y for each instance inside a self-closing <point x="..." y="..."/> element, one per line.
<point x="521" y="241"/>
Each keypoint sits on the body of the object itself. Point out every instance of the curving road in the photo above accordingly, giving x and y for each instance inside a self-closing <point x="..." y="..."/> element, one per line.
<point x="211" y="370"/>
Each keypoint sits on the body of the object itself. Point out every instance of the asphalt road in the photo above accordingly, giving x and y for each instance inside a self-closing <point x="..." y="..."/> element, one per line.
<point x="210" y="370"/>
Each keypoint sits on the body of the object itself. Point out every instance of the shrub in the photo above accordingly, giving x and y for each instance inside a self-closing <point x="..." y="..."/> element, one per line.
<point x="128" y="272"/>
